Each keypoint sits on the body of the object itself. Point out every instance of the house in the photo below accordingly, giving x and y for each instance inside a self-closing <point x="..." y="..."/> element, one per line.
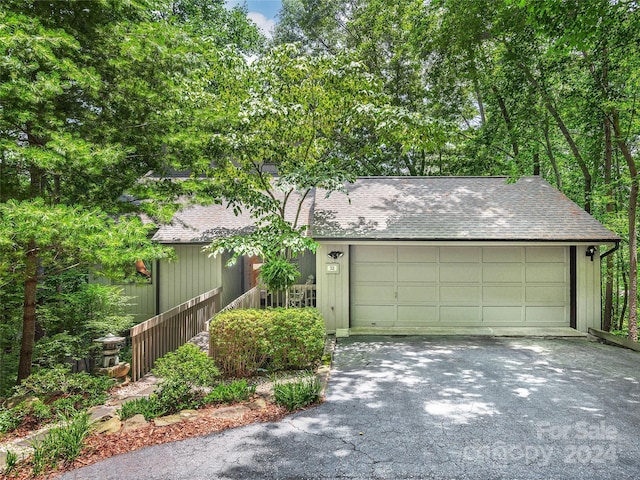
<point x="415" y="254"/>
<point x="410" y="254"/>
<point x="194" y="271"/>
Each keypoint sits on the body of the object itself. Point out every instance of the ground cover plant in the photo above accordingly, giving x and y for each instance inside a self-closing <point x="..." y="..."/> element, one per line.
<point x="51" y="392"/>
<point x="190" y="380"/>
<point x="297" y="393"/>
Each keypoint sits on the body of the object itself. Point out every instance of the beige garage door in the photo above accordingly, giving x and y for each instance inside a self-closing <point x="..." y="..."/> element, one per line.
<point x="413" y="286"/>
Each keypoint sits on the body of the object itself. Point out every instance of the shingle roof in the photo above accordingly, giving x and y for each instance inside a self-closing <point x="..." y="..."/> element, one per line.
<point x="204" y="223"/>
<point x="454" y="208"/>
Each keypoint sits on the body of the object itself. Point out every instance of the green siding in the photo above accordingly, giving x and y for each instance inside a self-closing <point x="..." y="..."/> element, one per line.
<point x="232" y="279"/>
<point x="192" y="273"/>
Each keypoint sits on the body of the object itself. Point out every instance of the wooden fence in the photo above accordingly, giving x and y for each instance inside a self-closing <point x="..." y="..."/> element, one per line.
<point x="166" y="332"/>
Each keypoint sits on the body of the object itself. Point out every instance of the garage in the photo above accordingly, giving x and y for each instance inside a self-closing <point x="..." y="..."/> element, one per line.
<point x="418" y="286"/>
<point x="448" y="255"/>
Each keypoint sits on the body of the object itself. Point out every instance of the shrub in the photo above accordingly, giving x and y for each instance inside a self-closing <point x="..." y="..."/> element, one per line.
<point x="41" y="411"/>
<point x="238" y="391"/>
<point x="147" y="407"/>
<point x="296" y="337"/>
<point x="238" y="341"/>
<point x="187" y="364"/>
<point x="245" y="341"/>
<point x="175" y="396"/>
<point x="68" y="405"/>
<point x="297" y="394"/>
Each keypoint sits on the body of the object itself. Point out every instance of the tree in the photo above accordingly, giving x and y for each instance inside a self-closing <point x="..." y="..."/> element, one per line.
<point x="37" y="239"/>
<point x="92" y="98"/>
<point x="287" y="139"/>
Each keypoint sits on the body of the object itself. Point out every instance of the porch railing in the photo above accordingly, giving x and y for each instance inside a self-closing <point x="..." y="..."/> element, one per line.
<point x="249" y="299"/>
<point x="303" y="295"/>
<point x="166" y="332"/>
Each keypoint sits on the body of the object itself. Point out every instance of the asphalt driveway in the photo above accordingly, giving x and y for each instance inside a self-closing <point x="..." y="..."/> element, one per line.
<point x="435" y="407"/>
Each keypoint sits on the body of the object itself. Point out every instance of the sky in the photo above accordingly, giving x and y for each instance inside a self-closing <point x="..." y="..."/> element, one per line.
<point x="262" y="12"/>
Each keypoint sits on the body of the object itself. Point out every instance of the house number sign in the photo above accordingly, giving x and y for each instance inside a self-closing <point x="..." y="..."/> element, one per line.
<point x="333" y="268"/>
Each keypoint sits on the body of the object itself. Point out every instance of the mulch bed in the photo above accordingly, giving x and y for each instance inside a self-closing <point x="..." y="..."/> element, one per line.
<point x="100" y="447"/>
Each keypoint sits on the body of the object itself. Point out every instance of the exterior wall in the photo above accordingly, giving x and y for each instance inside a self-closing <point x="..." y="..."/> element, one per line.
<point x="588" y="290"/>
<point x="333" y="288"/>
<point x="232" y="279"/>
<point x="192" y="273"/>
<point x="143" y="302"/>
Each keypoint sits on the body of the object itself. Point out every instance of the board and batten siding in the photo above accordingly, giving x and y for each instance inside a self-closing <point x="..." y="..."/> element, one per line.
<point x="192" y="273"/>
<point x="588" y="290"/>
<point x="333" y="288"/>
<point x="142" y="296"/>
<point x="232" y="279"/>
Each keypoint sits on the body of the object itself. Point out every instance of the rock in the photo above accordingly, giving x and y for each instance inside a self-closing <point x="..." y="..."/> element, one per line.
<point x="184" y="415"/>
<point x="189" y="414"/>
<point x="134" y="423"/>
<point x="112" y="425"/>
<point x="117" y="371"/>
<point x="257" y="404"/>
<point x="167" y="420"/>
<point x="27" y="400"/>
<point x="101" y="413"/>
<point x="230" y="412"/>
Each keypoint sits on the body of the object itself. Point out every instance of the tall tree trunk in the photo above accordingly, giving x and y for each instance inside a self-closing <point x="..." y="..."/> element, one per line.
<point x="633" y="240"/>
<point x="548" y="103"/>
<point x="625" y="300"/>
<point x="29" y="312"/>
<point x="608" y="290"/>
<point x="508" y="123"/>
<point x="552" y="157"/>
<point x="576" y="152"/>
<point x="476" y="87"/>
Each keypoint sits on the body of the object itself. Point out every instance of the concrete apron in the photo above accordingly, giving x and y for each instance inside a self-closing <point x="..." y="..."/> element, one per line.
<point x="553" y="332"/>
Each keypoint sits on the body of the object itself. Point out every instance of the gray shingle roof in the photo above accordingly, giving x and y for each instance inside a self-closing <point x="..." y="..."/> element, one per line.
<point x="454" y="208"/>
<point x="204" y="223"/>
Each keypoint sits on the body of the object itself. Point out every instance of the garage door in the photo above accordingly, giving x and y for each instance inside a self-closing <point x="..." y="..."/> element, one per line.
<point x="414" y="286"/>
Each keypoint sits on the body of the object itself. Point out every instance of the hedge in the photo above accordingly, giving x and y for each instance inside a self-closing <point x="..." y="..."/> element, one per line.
<point x="244" y="342"/>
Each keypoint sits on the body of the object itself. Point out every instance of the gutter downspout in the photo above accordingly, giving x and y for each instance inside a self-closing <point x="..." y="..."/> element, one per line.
<point x="609" y="252"/>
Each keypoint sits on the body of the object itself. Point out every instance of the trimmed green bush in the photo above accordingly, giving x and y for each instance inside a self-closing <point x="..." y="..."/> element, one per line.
<point x="296" y="338"/>
<point x="243" y="342"/>
<point x="238" y="341"/>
